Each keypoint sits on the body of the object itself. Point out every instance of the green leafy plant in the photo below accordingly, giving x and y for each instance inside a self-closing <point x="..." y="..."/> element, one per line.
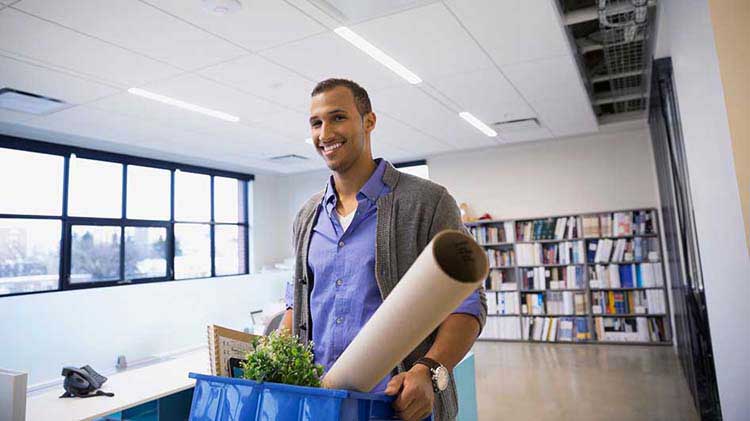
<point x="280" y="358"/>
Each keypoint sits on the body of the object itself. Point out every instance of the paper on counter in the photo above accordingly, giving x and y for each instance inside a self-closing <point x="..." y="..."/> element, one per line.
<point x="447" y="271"/>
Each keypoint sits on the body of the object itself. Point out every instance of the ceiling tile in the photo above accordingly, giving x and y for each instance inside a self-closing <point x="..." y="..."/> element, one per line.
<point x="327" y="55"/>
<point x="293" y="125"/>
<point x="486" y="94"/>
<point x="195" y="90"/>
<point x="38" y="80"/>
<point x="8" y="116"/>
<point x="259" y="76"/>
<point x="138" y="27"/>
<point x="46" y="42"/>
<point x="417" y="109"/>
<point x="513" y="31"/>
<point x="525" y="135"/>
<point x="258" y="25"/>
<point x="394" y="136"/>
<point x="555" y="90"/>
<point x="428" y="40"/>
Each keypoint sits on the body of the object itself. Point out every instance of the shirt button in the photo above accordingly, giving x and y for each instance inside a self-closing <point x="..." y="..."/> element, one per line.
<point x="339" y="282"/>
<point x="341" y="244"/>
<point x="339" y="320"/>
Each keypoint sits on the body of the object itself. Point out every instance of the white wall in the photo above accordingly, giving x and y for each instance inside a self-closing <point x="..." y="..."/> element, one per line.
<point x="41" y="333"/>
<point x="601" y="172"/>
<point x="685" y="34"/>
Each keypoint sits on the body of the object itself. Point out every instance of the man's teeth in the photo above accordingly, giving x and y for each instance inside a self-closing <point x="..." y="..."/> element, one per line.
<point x="332" y="147"/>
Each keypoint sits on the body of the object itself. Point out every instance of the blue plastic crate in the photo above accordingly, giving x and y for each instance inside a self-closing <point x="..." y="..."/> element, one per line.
<point x="224" y="399"/>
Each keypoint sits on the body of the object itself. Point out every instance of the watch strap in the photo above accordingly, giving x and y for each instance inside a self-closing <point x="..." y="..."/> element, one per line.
<point x="429" y="362"/>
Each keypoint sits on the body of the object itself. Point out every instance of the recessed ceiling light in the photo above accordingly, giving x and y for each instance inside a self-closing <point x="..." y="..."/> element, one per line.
<point x="477" y="123"/>
<point x="377" y="54"/>
<point x="184" y="105"/>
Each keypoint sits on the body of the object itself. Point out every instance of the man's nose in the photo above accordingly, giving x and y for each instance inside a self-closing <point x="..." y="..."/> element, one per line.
<point x="326" y="132"/>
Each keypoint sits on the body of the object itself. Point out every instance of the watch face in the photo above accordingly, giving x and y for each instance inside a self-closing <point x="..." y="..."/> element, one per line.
<point x="441" y="378"/>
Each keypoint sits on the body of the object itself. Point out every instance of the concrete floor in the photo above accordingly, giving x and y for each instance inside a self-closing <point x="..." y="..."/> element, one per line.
<point x="521" y="381"/>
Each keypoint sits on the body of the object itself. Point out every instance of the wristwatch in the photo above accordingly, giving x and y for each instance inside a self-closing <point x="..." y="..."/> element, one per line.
<point x="439" y="373"/>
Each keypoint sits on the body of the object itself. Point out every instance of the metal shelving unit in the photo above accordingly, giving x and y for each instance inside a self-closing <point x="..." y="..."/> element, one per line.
<point x="589" y="315"/>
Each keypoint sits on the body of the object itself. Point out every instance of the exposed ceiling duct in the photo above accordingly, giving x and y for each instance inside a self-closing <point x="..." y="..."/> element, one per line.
<point x="614" y="39"/>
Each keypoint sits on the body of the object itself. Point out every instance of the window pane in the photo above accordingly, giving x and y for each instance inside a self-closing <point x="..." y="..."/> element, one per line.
<point x="29" y="255"/>
<point x="95" y="189"/>
<point x="192" y="253"/>
<point x="145" y="252"/>
<point x="227" y="193"/>
<point x="30" y="183"/>
<point x="230" y="249"/>
<point x="95" y="254"/>
<point x="148" y="193"/>
<point x="418" y="170"/>
<point x="192" y="197"/>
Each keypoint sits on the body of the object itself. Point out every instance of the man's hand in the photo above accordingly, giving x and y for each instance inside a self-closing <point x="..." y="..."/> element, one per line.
<point x="415" y="393"/>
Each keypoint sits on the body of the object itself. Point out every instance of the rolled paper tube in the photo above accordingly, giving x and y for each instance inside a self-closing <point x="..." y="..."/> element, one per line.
<point x="447" y="271"/>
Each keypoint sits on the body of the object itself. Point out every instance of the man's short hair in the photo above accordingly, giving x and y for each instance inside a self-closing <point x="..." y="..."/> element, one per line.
<point x="361" y="99"/>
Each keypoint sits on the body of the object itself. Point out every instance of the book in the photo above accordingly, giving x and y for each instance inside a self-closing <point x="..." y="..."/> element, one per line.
<point x="225" y="343"/>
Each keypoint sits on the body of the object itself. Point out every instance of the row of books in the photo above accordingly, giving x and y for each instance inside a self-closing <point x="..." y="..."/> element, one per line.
<point x="549" y="229"/>
<point x="565" y="277"/>
<point x="641" y="275"/>
<point x="637" y="249"/>
<point x="619" y="224"/>
<point x="568" y="252"/>
<point x="630" y="329"/>
<point x="551" y="329"/>
<point x="502" y="232"/>
<point x="501" y="328"/>
<point x="566" y="302"/>
<point x="628" y="302"/>
<point x="533" y="303"/>
<point x="501" y="280"/>
<point x="502" y="303"/>
<point x="501" y="258"/>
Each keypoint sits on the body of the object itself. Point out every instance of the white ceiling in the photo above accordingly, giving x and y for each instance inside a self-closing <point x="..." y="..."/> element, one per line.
<point x="498" y="59"/>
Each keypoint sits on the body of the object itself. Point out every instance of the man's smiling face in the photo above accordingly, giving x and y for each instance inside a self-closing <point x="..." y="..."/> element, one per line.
<point x="339" y="133"/>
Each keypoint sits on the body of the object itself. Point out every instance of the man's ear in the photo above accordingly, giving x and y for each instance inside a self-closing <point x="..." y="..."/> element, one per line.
<point x="368" y="122"/>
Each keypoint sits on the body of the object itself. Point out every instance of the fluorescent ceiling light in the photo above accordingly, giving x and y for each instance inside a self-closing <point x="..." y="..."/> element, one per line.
<point x="478" y="124"/>
<point x="377" y="54"/>
<point x="183" y="105"/>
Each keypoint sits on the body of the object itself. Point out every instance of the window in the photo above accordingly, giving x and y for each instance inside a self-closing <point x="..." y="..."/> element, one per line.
<point x="36" y="188"/>
<point x="148" y="193"/>
<point x="192" y="197"/>
<point x="76" y="218"/>
<point x="418" y="168"/>
<point x="29" y="255"/>
<point x="146" y="252"/>
<point x="95" y="254"/>
<point x="95" y="189"/>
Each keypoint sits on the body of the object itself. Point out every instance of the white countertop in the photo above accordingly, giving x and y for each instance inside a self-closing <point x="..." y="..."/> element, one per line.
<point x="131" y="388"/>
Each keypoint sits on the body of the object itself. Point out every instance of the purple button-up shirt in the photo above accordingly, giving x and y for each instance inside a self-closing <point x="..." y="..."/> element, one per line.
<point x="345" y="293"/>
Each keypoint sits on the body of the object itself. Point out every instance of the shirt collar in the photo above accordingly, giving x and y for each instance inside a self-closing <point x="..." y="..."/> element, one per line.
<point x="372" y="189"/>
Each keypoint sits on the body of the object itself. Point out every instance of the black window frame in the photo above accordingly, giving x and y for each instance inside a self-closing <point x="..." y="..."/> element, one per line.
<point x="67" y="221"/>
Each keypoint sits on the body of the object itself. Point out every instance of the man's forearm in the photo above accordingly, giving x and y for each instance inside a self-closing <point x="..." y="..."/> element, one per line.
<point x="455" y="337"/>
<point x="286" y="321"/>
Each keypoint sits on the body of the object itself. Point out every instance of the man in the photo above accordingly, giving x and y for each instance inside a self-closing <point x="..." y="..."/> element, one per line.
<point x="353" y="243"/>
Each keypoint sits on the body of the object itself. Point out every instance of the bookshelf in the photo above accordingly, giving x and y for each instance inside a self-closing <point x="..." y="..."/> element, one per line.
<point x="593" y="278"/>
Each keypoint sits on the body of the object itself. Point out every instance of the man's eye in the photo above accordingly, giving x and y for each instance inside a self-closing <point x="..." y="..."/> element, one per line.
<point x="315" y="124"/>
<point x="340" y="118"/>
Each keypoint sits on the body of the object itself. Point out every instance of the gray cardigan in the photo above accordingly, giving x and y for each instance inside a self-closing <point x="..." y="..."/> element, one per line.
<point x="413" y="212"/>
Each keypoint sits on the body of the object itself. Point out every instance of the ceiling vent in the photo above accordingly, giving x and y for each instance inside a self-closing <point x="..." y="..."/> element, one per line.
<point x="516" y="125"/>
<point x="29" y="103"/>
<point x="288" y="159"/>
